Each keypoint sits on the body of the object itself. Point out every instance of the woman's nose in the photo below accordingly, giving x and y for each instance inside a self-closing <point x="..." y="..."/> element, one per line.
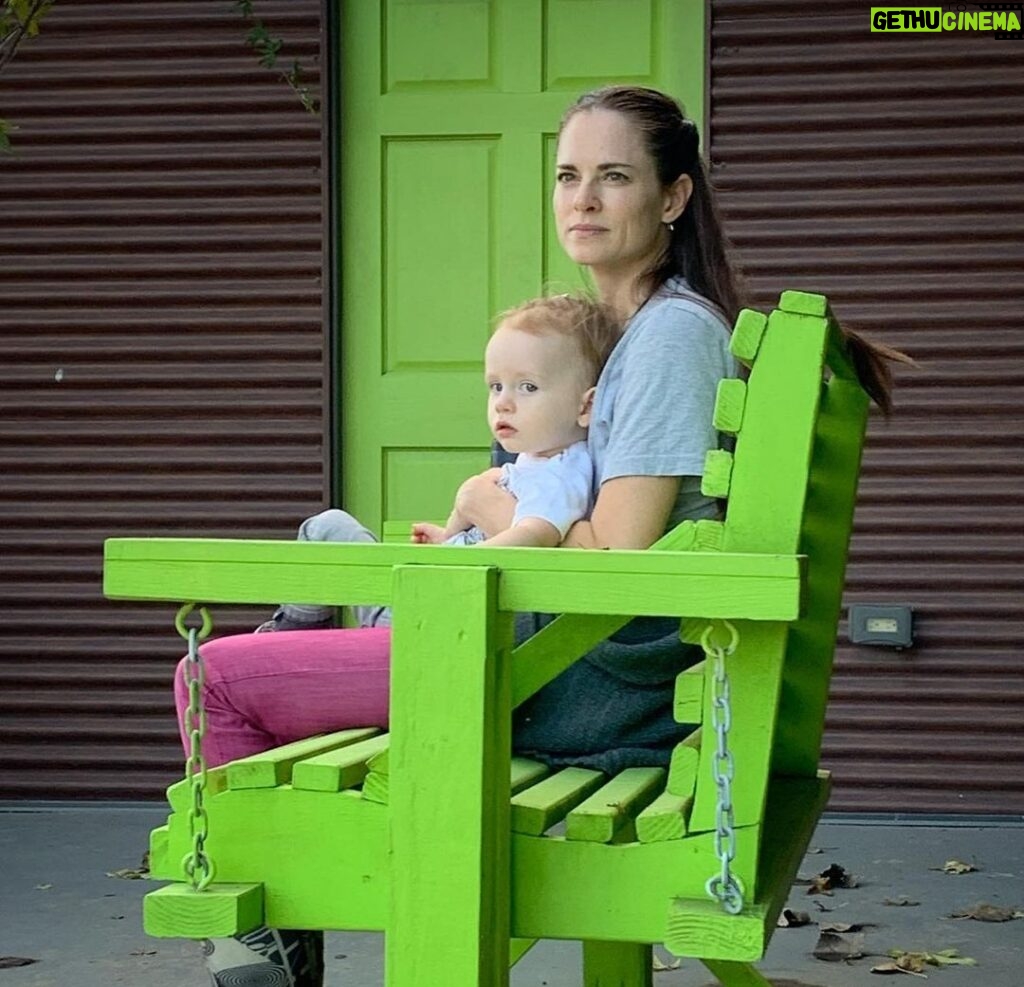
<point x="586" y="199"/>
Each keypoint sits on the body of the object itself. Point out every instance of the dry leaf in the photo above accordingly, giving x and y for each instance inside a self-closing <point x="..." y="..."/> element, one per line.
<point x="833" y="877"/>
<point x="43" y="887"/>
<point x="896" y="968"/>
<point x="129" y="873"/>
<point x="917" y="961"/>
<point x="793" y="920"/>
<point x="833" y="947"/>
<point x="955" y="867"/>
<point x="9" y="962"/>
<point x="659" y="965"/>
<point x="845" y="926"/>
<point x="143" y="952"/>
<point x="902" y="902"/>
<point x="984" y="912"/>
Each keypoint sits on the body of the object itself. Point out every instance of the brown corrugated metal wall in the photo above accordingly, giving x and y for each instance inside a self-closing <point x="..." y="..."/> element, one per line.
<point x="885" y="171"/>
<point x="164" y="367"/>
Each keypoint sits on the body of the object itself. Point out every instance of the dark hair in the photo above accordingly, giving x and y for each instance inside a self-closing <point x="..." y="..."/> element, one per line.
<point x="698" y="247"/>
<point x="594" y="327"/>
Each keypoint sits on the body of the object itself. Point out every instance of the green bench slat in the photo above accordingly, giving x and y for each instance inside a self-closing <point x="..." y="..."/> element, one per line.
<point x="538" y="808"/>
<point x="336" y="770"/>
<point x="615" y="805"/>
<point x="274" y="767"/>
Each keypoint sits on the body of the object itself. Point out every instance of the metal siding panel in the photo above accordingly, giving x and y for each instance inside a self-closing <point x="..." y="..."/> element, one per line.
<point x="164" y="361"/>
<point x="884" y="171"/>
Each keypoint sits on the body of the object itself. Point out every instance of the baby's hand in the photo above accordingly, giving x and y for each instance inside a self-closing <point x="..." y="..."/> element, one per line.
<point x="424" y="533"/>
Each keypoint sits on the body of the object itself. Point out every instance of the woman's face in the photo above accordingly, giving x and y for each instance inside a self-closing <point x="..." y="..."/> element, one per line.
<point x="610" y="207"/>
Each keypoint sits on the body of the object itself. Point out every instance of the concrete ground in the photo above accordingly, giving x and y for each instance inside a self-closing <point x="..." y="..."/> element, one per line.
<point x="83" y="928"/>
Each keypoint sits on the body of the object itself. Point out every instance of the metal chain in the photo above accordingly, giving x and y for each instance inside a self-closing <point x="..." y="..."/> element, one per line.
<point x="197" y="863"/>
<point x="723" y="887"/>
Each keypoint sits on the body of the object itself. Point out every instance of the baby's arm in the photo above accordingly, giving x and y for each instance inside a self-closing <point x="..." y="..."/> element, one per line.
<point x="424" y="533"/>
<point x="530" y="532"/>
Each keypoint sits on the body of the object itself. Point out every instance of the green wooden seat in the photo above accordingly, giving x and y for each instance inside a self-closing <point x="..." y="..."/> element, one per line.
<point x="464" y="854"/>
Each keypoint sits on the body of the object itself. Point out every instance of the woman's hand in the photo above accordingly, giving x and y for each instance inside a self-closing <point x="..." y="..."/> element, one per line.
<point x="484" y="504"/>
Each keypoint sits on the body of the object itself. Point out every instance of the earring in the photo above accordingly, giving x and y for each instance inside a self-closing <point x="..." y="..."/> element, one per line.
<point x="671" y="227"/>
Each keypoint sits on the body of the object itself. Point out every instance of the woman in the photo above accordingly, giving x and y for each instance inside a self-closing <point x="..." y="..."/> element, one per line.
<point x="632" y="203"/>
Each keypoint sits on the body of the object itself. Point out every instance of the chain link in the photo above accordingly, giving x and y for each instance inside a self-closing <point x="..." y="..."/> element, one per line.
<point x="723" y="886"/>
<point x="197" y="863"/>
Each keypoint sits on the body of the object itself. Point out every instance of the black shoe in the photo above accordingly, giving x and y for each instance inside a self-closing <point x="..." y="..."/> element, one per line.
<point x="282" y="622"/>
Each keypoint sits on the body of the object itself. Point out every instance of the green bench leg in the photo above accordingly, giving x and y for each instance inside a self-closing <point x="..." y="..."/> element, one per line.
<point x="736" y="974"/>
<point x="449" y="921"/>
<point x="617" y="964"/>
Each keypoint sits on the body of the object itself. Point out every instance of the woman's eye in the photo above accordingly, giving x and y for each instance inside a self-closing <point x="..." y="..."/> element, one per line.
<point x="564" y="177"/>
<point x="614" y="176"/>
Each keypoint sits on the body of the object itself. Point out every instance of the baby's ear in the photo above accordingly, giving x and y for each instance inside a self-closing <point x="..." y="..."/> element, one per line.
<point x="586" y="407"/>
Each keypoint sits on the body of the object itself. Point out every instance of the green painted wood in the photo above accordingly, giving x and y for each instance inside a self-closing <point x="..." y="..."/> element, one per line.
<point x="684" y="765"/>
<point x="710" y="536"/>
<point x="340" y="883"/>
<point x="792" y="813"/>
<point x="717" y="470"/>
<point x="573" y="889"/>
<point x="688" y="701"/>
<point x="176" y="911"/>
<point x="548" y="653"/>
<point x="526" y="773"/>
<point x="736" y="974"/>
<point x="604" y="814"/>
<point x="376" y="788"/>
<point x="804" y="303"/>
<point x="700" y="928"/>
<point x="555" y="580"/>
<point x="747" y="334"/>
<point x="337" y="769"/>
<point x="450" y="652"/>
<point x="617" y="964"/>
<point x="825" y="533"/>
<point x="755" y="675"/>
<point x="729" y="404"/>
<point x="274" y="767"/>
<point x="536" y="809"/>
<point x="666" y="818"/>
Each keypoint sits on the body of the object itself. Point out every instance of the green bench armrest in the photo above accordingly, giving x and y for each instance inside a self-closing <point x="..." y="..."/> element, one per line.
<point x="560" y="580"/>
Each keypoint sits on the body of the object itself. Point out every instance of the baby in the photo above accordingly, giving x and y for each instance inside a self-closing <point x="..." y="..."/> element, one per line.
<point x="541" y="367"/>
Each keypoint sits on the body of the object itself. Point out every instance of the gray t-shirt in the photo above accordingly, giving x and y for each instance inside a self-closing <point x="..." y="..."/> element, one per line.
<point x="656" y="396"/>
<point x="652" y="417"/>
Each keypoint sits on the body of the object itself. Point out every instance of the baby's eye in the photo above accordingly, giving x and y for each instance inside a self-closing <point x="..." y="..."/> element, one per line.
<point x="494" y="387"/>
<point x="528" y="387"/>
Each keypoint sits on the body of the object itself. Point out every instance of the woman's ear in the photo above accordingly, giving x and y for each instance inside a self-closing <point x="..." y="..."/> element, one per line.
<point x="586" y="407"/>
<point x="676" y="197"/>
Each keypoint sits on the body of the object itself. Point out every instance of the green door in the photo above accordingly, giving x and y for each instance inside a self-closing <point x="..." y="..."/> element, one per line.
<point x="449" y="110"/>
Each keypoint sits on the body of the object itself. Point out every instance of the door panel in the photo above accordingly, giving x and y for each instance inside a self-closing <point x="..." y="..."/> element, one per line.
<point x="448" y="123"/>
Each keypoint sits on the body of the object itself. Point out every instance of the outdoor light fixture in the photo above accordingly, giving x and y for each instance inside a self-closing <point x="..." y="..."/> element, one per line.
<point x="888" y="625"/>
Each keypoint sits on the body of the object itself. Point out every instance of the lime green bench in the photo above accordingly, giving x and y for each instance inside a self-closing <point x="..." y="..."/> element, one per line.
<point x="463" y="854"/>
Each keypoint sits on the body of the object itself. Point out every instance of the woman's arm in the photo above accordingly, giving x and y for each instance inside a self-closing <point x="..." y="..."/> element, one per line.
<point x="631" y="512"/>
<point x="484" y="504"/>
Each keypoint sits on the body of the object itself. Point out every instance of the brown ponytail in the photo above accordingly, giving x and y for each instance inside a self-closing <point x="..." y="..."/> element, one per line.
<point x="871" y="362"/>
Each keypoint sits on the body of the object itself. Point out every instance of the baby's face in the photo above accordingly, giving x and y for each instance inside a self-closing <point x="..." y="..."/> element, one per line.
<point x="537" y="387"/>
